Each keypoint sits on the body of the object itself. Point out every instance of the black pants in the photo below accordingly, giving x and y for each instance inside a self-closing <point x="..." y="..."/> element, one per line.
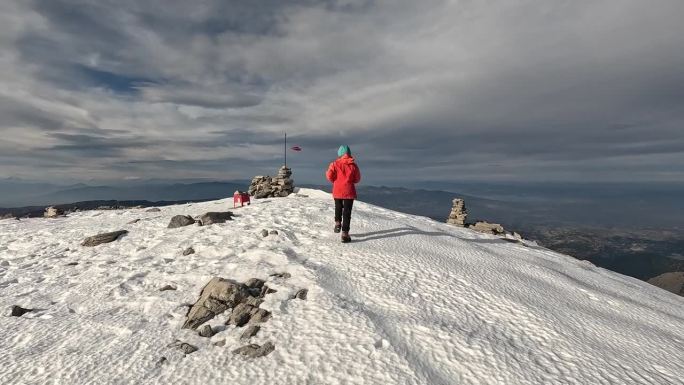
<point x="343" y="209"/>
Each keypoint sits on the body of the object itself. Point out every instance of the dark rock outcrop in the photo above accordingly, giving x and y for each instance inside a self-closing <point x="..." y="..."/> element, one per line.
<point x="103" y="238"/>
<point x="180" y="221"/>
<point x="215" y="217"/>
<point x="672" y="282"/>
<point x="188" y="251"/>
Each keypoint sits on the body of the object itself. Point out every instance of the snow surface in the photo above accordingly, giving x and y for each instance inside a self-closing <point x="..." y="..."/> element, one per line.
<point x="410" y="301"/>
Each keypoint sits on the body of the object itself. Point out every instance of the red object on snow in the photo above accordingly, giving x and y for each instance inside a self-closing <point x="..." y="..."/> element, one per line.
<point x="241" y="198"/>
<point x="296" y="148"/>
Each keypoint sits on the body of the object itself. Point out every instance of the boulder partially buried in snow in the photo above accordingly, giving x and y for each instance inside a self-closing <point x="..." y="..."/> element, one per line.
<point x="217" y="296"/>
<point x="103" y="238"/>
<point x="215" y="217"/>
<point x="254" y="350"/>
<point x="180" y="221"/>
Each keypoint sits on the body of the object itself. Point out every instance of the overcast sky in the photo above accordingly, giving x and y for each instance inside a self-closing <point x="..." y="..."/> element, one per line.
<point x="563" y="90"/>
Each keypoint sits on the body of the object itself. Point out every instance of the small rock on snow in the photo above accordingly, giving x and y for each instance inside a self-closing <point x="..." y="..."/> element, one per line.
<point x="182" y="346"/>
<point x="18" y="311"/>
<point x="251" y="331"/>
<point x="103" y="238"/>
<point x="188" y="251"/>
<point x="281" y="275"/>
<point x="206" y="331"/>
<point x="153" y="210"/>
<point x="167" y="287"/>
<point x="254" y="350"/>
<point x="264" y="233"/>
<point x="301" y="294"/>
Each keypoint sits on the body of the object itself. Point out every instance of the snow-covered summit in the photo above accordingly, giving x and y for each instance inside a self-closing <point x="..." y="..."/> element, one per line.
<point x="410" y="301"/>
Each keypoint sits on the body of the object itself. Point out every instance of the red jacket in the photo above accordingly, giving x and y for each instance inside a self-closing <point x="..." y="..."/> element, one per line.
<point x="343" y="173"/>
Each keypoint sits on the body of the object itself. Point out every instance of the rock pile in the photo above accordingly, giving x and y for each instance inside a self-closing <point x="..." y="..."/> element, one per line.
<point x="243" y="300"/>
<point x="488" y="228"/>
<point x="458" y="213"/>
<point x="268" y="187"/>
<point x="53" y="212"/>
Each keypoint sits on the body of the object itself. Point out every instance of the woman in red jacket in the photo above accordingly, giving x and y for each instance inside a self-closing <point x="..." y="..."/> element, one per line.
<point x="343" y="173"/>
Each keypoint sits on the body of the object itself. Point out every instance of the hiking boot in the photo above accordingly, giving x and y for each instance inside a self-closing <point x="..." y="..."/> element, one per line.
<point x="338" y="227"/>
<point x="345" y="237"/>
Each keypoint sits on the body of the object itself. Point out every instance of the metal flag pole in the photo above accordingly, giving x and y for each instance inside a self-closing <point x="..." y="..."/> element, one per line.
<point x="285" y="148"/>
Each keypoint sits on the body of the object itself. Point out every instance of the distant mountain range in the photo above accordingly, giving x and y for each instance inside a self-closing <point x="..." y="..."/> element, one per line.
<point x="17" y="193"/>
<point x="628" y="232"/>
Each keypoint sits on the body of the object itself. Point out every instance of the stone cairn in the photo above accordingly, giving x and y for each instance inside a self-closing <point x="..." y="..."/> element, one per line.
<point x="268" y="187"/>
<point x="458" y="213"/>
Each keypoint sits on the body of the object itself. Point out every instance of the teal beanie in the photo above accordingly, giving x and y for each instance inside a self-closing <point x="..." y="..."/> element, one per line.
<point x="344" y="149"/>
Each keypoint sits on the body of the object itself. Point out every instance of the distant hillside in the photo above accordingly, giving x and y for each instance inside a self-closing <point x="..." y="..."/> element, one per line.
<point x="21" y="194"/>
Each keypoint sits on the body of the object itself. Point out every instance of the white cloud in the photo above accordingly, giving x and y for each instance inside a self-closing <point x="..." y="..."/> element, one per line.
<point x="437" y="89"/>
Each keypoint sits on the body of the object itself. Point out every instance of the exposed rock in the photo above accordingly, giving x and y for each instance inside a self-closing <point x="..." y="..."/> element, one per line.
<point x="206" y="331"/>
<point x="8" y="216"/>
<point x="167" y="288"/>
<point x="18" y="311"/>
<point x="254" y="301"/>
<point x="53" y="212"/>
<point x="162" y="361"/>
<point x="215" y="217"/>
<point x="217" y="296"/>
<point x="241" y="314"/>
<point x="103" y="238"/>
<point x="220" y="343"/>
<point x="273" y="232"/>
<point x="182" y="346"/>
<point x="264" y="233"/>
<point x="180" y="221"/>
<point x="266" y="290"/>
<point x="458" y="213"/>
<point x="672" y="282"/>
<point x="153" y="210"/>
<point x="71" y="264"/>
<point x="260" y="316"/>
<point x="254" y="283"/>
<point x="488" y="228"/>
<point x="281" y="275"/>
<point x="134" y="221"/>
<point x="188" y="251"/>
<point x="254" y="350"/>
<point x="265" y="186"/>
<point x="302" y="294"/>
<point x="250" y="332"/>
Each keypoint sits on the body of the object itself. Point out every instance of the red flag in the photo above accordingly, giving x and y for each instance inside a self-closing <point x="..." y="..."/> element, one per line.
<point x="296" y="148"/>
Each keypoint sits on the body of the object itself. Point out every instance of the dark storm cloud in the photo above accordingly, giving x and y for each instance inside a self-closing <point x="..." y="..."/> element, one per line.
<point x="530" y="90"/>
